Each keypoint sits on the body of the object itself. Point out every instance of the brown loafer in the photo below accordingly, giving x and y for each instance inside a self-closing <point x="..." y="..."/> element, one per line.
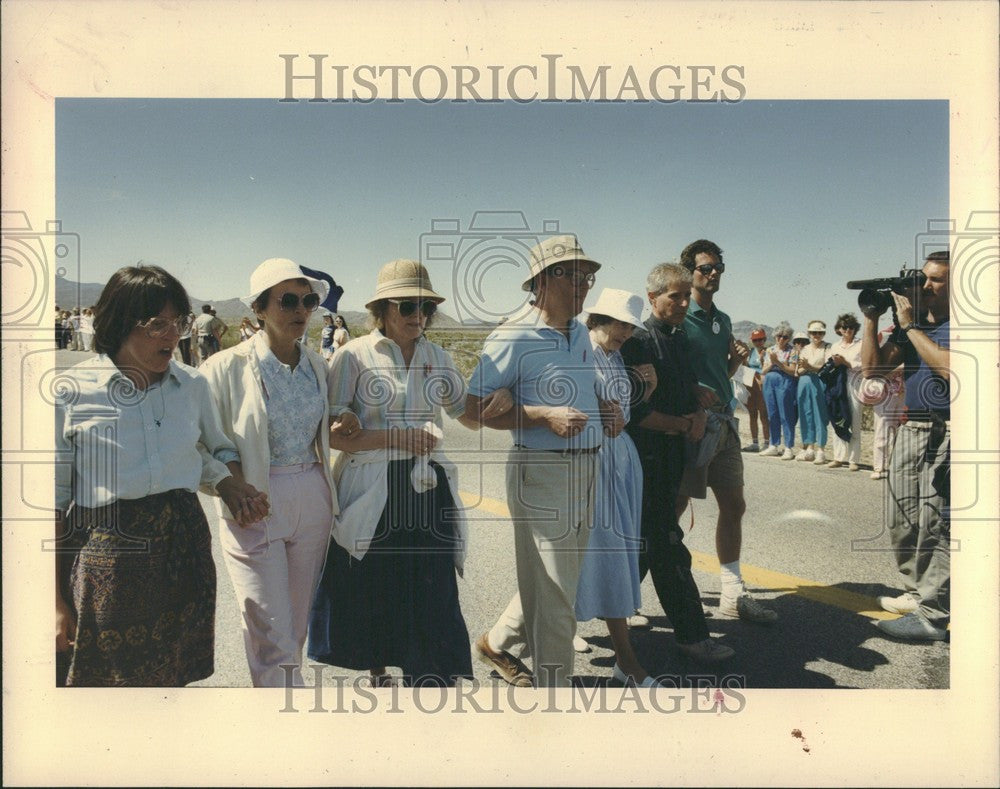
<point x="505" y="664"/>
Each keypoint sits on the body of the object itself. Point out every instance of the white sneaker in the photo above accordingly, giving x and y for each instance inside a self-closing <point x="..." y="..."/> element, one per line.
<point x="788" y="455"/>
<point x="806" y="456"/>
<point x="770" y="452"/>
<point x="820" y="458"/>
<point x="579" y="645"/>
<point x="904" y="604"/>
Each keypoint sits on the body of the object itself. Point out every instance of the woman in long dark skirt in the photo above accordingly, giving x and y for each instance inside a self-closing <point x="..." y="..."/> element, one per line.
<point x="389" y="594"/>
<point x="136" y="433"/>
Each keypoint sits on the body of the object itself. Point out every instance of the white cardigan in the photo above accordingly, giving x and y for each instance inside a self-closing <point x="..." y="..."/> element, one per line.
<point x="234" y="380"/>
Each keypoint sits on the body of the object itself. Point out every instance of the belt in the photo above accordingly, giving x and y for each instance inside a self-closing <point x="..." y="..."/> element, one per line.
<point x="563" y="452"/>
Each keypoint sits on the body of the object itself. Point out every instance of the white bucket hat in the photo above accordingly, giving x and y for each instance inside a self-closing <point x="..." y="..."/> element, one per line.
<point x="275" y="270"/>
<point x="403" y="279"/>
<point x="558" y="249"/>
<point x="618" y="304"/>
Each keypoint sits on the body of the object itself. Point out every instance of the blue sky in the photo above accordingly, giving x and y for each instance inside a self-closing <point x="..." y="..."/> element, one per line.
<point x="802" y="196"/>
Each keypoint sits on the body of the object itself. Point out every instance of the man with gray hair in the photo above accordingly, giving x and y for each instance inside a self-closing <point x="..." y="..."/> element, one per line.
<point x="546" y="360"/>
<point x="660" y="423"/>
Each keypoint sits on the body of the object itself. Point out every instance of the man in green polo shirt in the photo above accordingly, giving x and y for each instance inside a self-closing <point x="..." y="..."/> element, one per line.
<point x="715" y="357"/>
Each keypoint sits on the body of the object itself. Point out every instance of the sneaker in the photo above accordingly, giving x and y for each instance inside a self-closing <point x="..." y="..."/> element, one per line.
<point x="853" y="467"/>
<point x="505" y="664"/>
<point x="912" y="627"/>
<point x="753" y="446"/>
<point x="807" y="456"/>
<point x="788" y="455"/>
<point x="638" y="621"/>
<point x="834" y="464"/>
<point x="820" y="458"/>
<point x="707" y="651"/>
<point x="770" y="452"/>
<point x="747" y="608"/>
<point x="904" y="604"/>
<point x="620" y="676"/>
<point x="579" y="645"/>
<point x="878" y="475"/>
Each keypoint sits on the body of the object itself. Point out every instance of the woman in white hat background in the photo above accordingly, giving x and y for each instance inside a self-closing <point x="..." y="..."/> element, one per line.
<point x="609" y="585"/>
<point x="811" y="395"/>
<point x="779" y="392"/>
<point x="389" y="594"/>
<point x="272" y="394"/>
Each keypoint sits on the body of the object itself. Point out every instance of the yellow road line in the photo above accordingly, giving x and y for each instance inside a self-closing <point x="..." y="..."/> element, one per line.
<point x="755" y="576"/>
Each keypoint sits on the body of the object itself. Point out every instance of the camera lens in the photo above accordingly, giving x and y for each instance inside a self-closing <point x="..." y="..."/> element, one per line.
<point x="874" y="302"/>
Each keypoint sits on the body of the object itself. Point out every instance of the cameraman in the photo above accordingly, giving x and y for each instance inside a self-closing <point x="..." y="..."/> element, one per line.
<point x="919" y="467"/>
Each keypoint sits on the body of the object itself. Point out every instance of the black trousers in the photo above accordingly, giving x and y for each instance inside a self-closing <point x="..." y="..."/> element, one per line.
<point x="664" y="555"/>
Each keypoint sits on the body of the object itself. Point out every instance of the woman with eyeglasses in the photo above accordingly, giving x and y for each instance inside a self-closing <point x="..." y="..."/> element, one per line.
<point x="779" y="392"/>
<point x="847" y="354"/>
<point x="272" y="394"/>
<point x="136" y="434"/>
<point x="341" y="334"/>
<point x="389" y="596"/>
<point x="811" y="395"/>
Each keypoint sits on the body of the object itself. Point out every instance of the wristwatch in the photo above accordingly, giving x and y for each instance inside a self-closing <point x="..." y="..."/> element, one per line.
<point x="907" y="327"/>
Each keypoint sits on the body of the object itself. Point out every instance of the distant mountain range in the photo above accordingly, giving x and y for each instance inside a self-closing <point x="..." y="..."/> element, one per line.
<point x="84" y="294"/>
<point x="71" y="294"/>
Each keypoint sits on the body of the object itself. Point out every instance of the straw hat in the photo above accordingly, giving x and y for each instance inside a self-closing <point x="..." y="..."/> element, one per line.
<point x="403" y="279"/>
<point x="618" y="304"/>
<point x="275" y="270"/>
<point x="557" y="249"/>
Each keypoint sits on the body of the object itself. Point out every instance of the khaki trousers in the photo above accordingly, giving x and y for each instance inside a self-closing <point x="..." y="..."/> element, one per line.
<point x="550" y="496"/>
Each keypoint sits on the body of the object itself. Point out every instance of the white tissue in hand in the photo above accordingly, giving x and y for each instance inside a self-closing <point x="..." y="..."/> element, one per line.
<point x="423" y="477"/>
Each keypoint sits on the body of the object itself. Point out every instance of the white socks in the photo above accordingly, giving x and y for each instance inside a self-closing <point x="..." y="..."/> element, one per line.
<point x="732" y="581"/>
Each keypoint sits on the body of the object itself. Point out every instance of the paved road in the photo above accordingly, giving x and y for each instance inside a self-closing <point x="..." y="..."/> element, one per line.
<point x="813" y="547"/>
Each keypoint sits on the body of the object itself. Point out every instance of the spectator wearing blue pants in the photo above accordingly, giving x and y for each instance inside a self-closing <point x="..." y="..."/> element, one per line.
<point x="813" y="416"/>
<point x="779" y="392"/>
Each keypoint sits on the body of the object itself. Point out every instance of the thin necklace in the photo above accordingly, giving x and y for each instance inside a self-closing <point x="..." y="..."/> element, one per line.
<point x="163" y="403"/>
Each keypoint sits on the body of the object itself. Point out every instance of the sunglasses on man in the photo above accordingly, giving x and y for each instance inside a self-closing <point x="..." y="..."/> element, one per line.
<point x="291" y="301"/>
<point x="707" y="268"/>
<point x="409" y="307"/>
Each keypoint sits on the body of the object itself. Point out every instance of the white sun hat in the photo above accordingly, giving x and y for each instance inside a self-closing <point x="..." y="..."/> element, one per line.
<point x="275" y="270"/>
<point x="618" y="304"/>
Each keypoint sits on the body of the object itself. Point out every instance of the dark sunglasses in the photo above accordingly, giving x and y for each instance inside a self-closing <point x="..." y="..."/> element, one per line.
<point x="291" y="301"/>
<point x="707" y="268"/>
<point x="408" y="308"/>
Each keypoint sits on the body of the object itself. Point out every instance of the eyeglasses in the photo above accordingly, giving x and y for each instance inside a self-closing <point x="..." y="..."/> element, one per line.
<point x="707" y="268"/>
<point x="581" y="277"/>
<point x="160" y="327"/>
<point x="291" y="301"/>
<point x="820" y="333"/>
<point x="407" y="307"/>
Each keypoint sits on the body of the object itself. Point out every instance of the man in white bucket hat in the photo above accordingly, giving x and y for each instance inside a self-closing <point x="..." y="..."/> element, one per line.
<point x="546" y="360"/>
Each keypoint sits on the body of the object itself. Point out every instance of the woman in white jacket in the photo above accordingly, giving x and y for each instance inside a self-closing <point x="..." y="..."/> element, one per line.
<point x="272" y="396"/>
<point x="389" y="595"/>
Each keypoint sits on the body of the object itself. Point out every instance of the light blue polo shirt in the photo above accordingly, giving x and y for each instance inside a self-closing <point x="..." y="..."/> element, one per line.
<point x="710" y="348"/>
<point x="541" y="367"/>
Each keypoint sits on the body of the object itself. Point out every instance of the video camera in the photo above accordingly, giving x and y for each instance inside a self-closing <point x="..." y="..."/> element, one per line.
<point x="874" y="298"/>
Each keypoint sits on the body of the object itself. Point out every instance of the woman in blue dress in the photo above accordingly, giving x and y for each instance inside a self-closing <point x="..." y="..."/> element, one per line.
<point x="609" y="577"/>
